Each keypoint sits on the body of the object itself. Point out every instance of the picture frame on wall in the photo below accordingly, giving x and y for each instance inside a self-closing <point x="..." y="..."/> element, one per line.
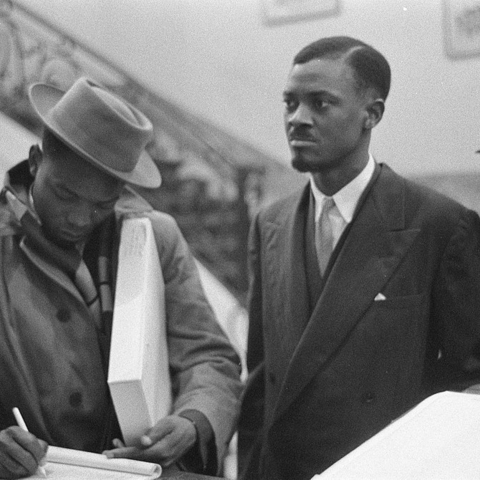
<point x="462" y="28"/>
<point x="285" y="11"/>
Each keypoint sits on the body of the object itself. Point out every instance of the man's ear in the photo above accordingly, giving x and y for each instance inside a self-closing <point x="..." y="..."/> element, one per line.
<point x="35" y="156"/>
<point x="374" y="110"/>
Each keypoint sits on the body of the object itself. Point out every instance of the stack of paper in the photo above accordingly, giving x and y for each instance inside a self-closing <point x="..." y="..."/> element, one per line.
<point x="67" y="464"/>
<point x="138" y="376"/>
<point x="438" y="439"/>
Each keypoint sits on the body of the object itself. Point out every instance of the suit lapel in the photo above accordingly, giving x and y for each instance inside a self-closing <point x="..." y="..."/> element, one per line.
<point x="374" y="245"/>
<point x="287" y="276"/>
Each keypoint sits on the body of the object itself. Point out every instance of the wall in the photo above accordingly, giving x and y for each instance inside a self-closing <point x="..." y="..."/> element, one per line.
<point x="15" y="142"/>
<point x="218" y="59"/>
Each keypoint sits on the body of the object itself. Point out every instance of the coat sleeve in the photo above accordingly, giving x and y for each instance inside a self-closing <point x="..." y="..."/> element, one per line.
<point x="205" y="369"/>
<point x="456" y="304"/>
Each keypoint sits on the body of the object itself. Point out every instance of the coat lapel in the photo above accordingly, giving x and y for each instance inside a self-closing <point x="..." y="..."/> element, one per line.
<point x="287" y="276"/>
<point x="374" y="245"/>
<point x="58" y="276"/>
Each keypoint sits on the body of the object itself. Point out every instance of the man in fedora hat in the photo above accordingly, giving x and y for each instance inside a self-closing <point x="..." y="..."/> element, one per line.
<point x="59" y="217"/>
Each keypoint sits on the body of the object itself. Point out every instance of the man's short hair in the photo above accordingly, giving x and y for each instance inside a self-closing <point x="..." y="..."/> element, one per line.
<point x="370" y="67"/>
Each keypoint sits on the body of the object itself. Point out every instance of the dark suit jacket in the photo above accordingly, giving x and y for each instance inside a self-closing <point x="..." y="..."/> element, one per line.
<point x="323" y="381"/>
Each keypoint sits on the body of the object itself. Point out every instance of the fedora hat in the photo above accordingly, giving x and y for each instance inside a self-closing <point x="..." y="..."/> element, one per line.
<point x="101" y="127"/>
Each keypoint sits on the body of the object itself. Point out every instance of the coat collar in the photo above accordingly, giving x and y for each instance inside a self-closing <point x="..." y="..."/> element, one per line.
<point x="374" y="245"/>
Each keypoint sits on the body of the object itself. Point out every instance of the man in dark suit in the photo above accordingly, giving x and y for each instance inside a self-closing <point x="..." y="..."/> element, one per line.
<point x="357" y="310"/>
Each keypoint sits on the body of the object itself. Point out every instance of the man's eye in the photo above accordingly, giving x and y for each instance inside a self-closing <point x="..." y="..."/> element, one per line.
<point x="320" y="103"/>
<point x="65" y="195"/>
<point x="290" y="104"/>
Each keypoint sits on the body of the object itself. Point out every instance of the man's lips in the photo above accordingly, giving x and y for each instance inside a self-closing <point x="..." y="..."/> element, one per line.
<point x="73" y="236"/>
<point x="296" y="141"/>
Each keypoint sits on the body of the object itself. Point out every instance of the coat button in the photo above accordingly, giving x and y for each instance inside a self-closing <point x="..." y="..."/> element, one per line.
<point x="64" y="315"/>
<point x="368" y="397"/>
<point x="271" y="378"/>
<point x="75" y="399"/>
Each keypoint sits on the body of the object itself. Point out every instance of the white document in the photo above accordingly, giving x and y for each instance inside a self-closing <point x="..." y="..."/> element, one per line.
<point x="439" y="439"/>
<point x="139" y="377"/>
<point x="68" y="464"/>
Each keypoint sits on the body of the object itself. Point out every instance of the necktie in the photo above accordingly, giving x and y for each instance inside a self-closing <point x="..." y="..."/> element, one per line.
<point x="324" y="234"/>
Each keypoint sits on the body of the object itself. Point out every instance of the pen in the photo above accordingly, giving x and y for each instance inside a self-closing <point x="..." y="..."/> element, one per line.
<point x="21" y="423"/>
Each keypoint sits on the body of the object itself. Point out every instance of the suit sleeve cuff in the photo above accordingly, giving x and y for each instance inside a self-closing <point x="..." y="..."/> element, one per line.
<point x="202" y="457"/>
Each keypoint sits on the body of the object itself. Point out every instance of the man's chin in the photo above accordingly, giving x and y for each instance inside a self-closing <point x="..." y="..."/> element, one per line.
<point x="300" y="164"/>
<point x="61" y="242"/>
<point x="65" y="244"/>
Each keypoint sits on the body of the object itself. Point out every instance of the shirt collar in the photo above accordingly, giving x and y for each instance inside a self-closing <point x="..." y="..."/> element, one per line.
<point x="346" y="198"/>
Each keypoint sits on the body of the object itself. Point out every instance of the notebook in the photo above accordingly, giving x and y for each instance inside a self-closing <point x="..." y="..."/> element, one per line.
<point x="439" y="439"/>
<point x="138" y="376"/>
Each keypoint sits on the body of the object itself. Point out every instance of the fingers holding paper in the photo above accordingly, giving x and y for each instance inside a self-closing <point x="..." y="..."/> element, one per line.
<point x="20" y="453"/>
<point x="165" y="443"/>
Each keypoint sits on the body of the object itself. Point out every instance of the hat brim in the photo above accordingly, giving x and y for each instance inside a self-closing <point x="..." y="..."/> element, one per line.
<point x="44" y="97"/>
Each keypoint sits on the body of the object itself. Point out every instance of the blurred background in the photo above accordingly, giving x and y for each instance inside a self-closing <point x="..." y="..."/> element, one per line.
<point x="210" y="75"/>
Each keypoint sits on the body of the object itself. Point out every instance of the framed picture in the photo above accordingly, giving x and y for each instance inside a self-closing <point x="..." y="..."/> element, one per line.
<point x="284" y="11"/>
<point x="462" y="27"/>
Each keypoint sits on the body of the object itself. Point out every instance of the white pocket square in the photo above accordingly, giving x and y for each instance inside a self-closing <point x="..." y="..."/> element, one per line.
<point x="380" y="297"/>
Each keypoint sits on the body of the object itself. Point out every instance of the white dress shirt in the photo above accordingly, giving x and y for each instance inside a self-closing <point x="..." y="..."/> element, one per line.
<point x="346" y="200"/>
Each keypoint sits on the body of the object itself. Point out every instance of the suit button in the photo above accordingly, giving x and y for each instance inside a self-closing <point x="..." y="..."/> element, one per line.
<point x="368" y="397"/>
<point x="63" y="315"/>
<point x="75" y="399"/>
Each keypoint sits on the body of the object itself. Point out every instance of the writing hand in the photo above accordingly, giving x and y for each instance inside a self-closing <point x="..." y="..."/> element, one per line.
<point x="20" y="453"/>
<point x="165" y="443"/>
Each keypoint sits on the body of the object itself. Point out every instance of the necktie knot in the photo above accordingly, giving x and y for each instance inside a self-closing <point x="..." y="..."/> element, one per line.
<point x="327" y="204"/>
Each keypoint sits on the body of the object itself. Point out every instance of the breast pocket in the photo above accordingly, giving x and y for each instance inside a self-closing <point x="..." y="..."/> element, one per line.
<point x="406" y="301"/>
<point x="393" y="321"/>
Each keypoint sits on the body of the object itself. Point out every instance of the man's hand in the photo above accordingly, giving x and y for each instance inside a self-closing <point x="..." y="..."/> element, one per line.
<point x="165" y="443"/>
<point x="20" y="453"/>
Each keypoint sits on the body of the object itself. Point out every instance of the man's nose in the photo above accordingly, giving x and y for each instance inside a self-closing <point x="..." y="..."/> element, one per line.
<point x="82" y="215"/>
<point x="301" y="116"/>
